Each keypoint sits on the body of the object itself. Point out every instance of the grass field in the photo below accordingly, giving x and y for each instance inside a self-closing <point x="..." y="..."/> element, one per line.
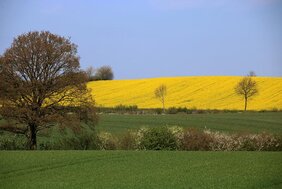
<point x="227" y="122"/>
<point x="203" y="92"/>
<point x="145" y="169"/>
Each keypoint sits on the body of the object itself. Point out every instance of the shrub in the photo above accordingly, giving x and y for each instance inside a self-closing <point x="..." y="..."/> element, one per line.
<point x="178" y="133"/>
<point x="196" y="140"/>
<point x="107" y="141"/>
<point x="222" y="142"/>
<point x="128" y="141"/>
<point x="244" y="142"/>
<point x="81" y="141"/>
<point x="158" y="139"/>
<point x="140" y="135"/>
<point x="184" y="110"/>
<point x="158" y="110"/>
<point x="260" y="142"/>
<point x="46" y="145"/>
<point x="125" y="109"/>
<point x="13" y="142"/>
<point x="172" y="110"/>
<point x="275" y="109"/>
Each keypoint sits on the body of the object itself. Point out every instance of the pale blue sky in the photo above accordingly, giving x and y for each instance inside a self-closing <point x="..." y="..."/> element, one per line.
<point x="155" y="38"/>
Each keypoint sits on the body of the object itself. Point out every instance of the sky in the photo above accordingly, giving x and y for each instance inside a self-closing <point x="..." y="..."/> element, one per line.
<point x="158" y="38"/>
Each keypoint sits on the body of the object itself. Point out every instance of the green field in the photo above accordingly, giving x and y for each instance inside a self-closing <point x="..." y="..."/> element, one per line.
<point x="227" y="122"/>
<point x="144" y="169"/>
<point x="151" y="169"/>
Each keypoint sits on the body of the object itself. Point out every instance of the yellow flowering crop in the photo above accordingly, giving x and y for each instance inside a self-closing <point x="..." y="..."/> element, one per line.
<point x="205" y="92"/>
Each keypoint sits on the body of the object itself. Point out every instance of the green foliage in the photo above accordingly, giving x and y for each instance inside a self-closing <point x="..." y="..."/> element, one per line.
<point x="106" y="141"/>
<point x="12" y="142"/>
<point x="175" y="110"/>
<point x="158" y="110"/>
<point x="158" y="139"/>
<point x="124" y="109"/>
<point x="172" y="110"/>
<point x="261" y="142"/>
<point x="79" y="141"/>
<point x="120" y="109"/>
<point x="128" y="141"/>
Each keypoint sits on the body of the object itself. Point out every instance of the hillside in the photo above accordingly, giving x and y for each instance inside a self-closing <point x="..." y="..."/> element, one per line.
<point x="201" y="92"/>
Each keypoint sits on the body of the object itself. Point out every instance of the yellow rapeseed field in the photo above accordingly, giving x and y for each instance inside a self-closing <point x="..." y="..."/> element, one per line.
<point x="201" y="92"/>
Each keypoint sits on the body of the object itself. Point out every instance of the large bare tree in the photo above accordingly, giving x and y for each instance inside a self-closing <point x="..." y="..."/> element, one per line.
<point x="42" y="86"/>
<point x="160" y="93"/>
<point x="246" y="88"/>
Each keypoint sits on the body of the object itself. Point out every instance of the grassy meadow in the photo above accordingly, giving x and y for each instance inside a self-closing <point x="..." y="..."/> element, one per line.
<point x="253" y="122"/>
<point x="203" y="92"/>
<point x="144" y="169"/>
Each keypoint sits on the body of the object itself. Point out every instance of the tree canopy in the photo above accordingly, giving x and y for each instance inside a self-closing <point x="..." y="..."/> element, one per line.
<point x="160" y="93"/>
<point x="246" y="88"/>
<point x="42" y="86"/>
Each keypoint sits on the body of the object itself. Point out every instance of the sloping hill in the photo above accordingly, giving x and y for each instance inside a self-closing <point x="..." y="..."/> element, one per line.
<point x="201" y="92"/>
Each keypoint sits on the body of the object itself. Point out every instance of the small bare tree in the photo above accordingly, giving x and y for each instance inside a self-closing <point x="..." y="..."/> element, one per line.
<point x="160" y="93"/>
<point x="246" y="88"/>
<point x="42" y="86"/>
<point x="90" y="72"/>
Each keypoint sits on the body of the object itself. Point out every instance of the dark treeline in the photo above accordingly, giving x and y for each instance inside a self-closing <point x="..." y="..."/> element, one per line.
<point x="133" y="109"/>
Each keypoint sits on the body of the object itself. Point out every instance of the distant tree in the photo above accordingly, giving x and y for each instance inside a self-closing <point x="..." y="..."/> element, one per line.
<point x="104" y="73"/>
<point x="160" y="93"/>
<point x="90" y="72"/>
<point x="246" y="88"/>
<point x="252" y="74"/>
<point x="42" y="86"/>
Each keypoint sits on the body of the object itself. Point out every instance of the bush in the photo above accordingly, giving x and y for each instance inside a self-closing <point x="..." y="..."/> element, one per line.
<point x="13" y="142"/>
<point x="128" y="141"/>
<point x="172" y="110"/>
<point x="222" y="142"/>
<point x="158" y="139"/>
<point x="162" y="138"/>
<point x="184" y="110"/>
<point x="107" y="141"/>
<point x="81" y="141"/>
<point x="244" y="142"/>
<point x="260" y="142"/>
<point x="275" y="109"/>
<point x="158" y="110"/>
<point x="196" y="140"/>
<point x="178" y="133"/>
<point x="46" y="145"/>
<point x="125" y="109"/>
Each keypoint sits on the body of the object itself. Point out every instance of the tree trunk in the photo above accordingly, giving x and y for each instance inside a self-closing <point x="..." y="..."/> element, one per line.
<point x="163" y="106"/>
<point x="246" y="103"/>
<point x="32" y="141"/>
